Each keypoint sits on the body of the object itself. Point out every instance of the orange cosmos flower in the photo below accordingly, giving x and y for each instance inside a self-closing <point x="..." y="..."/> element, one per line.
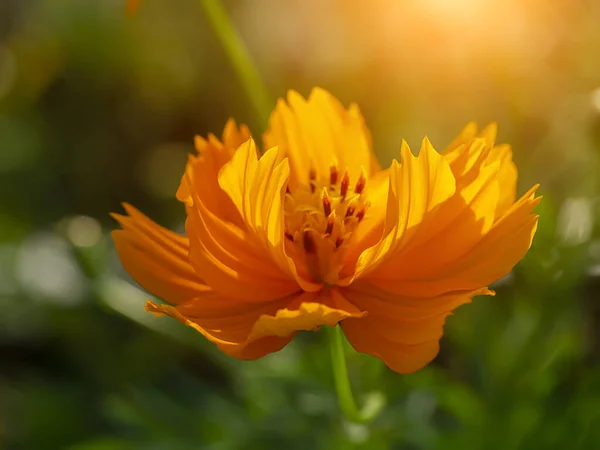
<point x="314" y="233"/>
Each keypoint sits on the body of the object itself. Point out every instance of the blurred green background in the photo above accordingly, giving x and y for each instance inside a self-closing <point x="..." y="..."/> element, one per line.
<point x="97" y="108"/>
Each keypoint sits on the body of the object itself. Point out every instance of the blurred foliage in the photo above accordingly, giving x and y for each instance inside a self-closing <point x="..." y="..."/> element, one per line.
<point x="98" y="108"/>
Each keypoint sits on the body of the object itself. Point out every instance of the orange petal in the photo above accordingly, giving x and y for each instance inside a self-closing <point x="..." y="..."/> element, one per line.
<point x="398" y="357"/>
<point x="507" y="177"/>
<point x="466" y="135"/>
<point x="233" y="261"/>
<point x="403" y="332"/>
<point x="307" y="312"/>
<point x="417" y="188"/>
<point x="156" y="258"/>
<point x="447" y="234"/>
<point x="370" y="230"/>
<point x="468" y="161"/>
<point x="248" y="331"/>
<point x="202" y="171"/>
<point x="317" y="132"/>
<point x="256" y="187"/>
<point x="471" y="151"/>
<point x="492" y="257"/>
<point x="231" y="340"/>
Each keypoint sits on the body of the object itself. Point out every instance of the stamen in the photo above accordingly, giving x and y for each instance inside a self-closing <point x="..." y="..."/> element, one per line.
<point x="312" y="176"/>
<point x="333" y="175"/>
<point x="361" y="214"/>
<point x="321" y="215"/>
<point x="326" y="202"/>
<point x="345" y="185"/>
<point x="360" y="184"/>
<point x="309" y="244"/>
<point x="330" y="224"/>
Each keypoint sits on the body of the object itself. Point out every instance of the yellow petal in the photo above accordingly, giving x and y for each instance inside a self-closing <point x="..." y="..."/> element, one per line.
<point x="466" y="135"/>
<point x="370" y="230"/>
<point x="256" y="187"/>
<point x="456" y="227"/>
<point x="156" y="258"/>
<point x="249" y="331"/>
<point x="489" y="133"/>
<point x="467" y="160"/>
<point x="317" y="132"/>
<point x="491" y="257"/>
<point x="507" y="177"/>
<point x="417" y="188"/>
<point x="307" y="312"/>
<point x="201" y="173"/>
<point x="471" y="151"/>
<point x="232" y="260"/>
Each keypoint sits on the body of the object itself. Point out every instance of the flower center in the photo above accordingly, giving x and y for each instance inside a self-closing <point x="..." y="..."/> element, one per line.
<point x="320" y="218"/>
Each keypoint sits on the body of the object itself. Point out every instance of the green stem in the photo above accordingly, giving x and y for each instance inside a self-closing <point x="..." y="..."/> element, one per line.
<point x="239" y="58"/>
<point x="373" y="404"/>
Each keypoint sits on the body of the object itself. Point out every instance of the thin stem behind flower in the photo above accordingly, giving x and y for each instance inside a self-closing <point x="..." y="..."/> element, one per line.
<point x="375" y="402"/>
<point x="239" y="57"/>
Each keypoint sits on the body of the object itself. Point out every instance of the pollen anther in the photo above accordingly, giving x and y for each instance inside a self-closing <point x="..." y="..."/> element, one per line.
<point x="320" y="217"/>
<point x="345" y="185"/>
<point x="360" y="184"/>
<point x="326" y="203"/>
<point x="309" y="244"/>
<point x="333" y="175"/>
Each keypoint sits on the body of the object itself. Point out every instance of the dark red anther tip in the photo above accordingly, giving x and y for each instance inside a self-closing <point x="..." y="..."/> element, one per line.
<point x="345" y="185"/>
<point x="361" y="214"/>
<point x="333" y="175"/>
<point x="330" y="224"/>
<point x="360" y="184"/>
<point x="309" y="243"/>
<point x="326" y="203"/>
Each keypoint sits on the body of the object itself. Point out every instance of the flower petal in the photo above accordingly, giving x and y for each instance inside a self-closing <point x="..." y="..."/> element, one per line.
<point x="463" y="244"/>
<point x="507" y="177"/>
<point x="307" y="312"/>
<point x="232" y="260"/>
<point x="471" y="151"/>
<point x="371" y="228"/>
<point x="489" y="259"/>
<point x="417" y="188"/>
<point x="403" y="332"/>
<point x="248" y="331"/>
<point x="466" y="217"/>
<point x="202" y="171"/>
<point x="156" y="258"/>
<point x="317" y="133"/>
<point x="256" y="187"/>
